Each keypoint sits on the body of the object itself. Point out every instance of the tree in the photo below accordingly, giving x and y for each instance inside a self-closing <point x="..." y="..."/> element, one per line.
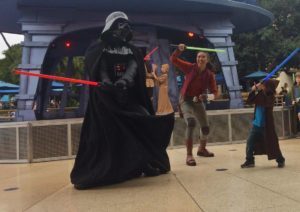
<point x="266" y="48"/>
<point x="10" y="62"/>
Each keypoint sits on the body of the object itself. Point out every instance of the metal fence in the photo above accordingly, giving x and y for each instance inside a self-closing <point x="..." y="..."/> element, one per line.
<point x="39" y="140"/>
<point x="36" y="141"/>
<point x="232" y="126"/>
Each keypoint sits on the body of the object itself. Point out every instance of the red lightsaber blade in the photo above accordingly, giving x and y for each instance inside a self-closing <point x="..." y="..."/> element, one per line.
<point x="150" y="53"/>
<point x="52" y="77"/>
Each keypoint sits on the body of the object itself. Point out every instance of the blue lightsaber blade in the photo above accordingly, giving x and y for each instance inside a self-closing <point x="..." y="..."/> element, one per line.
<point x="280" y="65"/>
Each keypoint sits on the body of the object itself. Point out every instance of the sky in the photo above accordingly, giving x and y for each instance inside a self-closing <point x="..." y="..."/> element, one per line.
<point x="12" y="39"/>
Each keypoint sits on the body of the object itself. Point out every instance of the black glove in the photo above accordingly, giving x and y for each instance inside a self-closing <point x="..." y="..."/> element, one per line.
<point x="121" y="84"/>
<point x="121" y="92"/>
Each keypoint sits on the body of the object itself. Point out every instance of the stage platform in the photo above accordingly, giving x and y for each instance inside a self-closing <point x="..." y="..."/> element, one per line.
<point x="39" y="187"/>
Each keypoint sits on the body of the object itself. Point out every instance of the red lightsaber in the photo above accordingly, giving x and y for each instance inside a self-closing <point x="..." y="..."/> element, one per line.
<point x="150" y="53"/>
<point x="52" y="77"/>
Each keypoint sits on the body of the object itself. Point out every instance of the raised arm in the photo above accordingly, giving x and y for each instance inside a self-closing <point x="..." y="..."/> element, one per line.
<point x="258" y="97"/>
<point x="184" y="66"/>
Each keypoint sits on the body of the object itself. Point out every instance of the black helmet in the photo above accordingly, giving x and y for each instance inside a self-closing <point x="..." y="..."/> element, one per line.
<point x="117" y="28"/>
<point x="111" y="18"/>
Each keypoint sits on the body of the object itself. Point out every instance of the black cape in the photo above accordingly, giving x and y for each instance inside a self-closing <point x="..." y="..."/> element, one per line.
<point x="116" y="144"/>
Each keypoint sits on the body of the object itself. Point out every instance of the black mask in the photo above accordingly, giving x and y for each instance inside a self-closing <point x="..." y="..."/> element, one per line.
<point x="123" y="31"/>
<point x="120" y="32"/>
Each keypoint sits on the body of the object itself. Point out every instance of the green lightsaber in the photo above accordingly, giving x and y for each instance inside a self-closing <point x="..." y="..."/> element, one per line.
<point x="201" y="49"/>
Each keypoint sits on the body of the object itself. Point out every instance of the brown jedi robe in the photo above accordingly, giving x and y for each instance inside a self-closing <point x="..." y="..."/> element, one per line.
<point x="164" y="105"/>
<point x="269" y="144"/>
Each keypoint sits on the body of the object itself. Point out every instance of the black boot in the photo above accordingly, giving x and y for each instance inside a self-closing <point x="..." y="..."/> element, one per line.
<point x="83" y="186"/>
<point x="248" y="164"/>
<point x="281" y="162"/>
<point x="151" y="171"/>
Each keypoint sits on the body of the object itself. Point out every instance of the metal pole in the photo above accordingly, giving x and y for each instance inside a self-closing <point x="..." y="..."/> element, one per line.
<point x="8" y="46"/>
<point x="5" y="40"/>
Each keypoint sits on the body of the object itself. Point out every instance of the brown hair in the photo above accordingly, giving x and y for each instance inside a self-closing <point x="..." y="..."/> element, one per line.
<point x="271" y="85"/>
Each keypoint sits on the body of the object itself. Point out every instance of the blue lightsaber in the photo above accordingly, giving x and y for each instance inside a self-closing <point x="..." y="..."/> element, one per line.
<point x="281" y="64"/>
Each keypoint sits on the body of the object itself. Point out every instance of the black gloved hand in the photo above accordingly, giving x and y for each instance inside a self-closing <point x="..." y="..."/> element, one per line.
<point x="121" y="92"/>
<point x="121" y="84"/>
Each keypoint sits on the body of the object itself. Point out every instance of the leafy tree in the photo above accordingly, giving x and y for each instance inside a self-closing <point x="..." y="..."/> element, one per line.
<point x="266" y="48"/>
<point x="10" y="62"/>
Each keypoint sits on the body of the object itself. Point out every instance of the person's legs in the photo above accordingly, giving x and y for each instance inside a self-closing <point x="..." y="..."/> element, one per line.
<point x="280" y="159"/>
<point x="201" y="115"/>
<point x="188" y="114"/>
<point x="255" y="134"/>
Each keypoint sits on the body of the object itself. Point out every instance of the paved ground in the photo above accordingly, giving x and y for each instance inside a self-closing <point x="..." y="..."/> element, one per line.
<point x="46" y="186"/>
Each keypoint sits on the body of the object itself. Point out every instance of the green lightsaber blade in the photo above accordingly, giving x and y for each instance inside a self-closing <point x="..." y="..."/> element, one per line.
<point x="201" y="49"/>
<point x="204" y="49"/>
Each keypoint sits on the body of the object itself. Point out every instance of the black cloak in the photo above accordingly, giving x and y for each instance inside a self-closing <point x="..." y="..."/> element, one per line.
<point x="117" y="144"/>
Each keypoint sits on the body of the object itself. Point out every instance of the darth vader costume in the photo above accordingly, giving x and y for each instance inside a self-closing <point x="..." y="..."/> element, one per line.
<point x="121" y="138"/>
